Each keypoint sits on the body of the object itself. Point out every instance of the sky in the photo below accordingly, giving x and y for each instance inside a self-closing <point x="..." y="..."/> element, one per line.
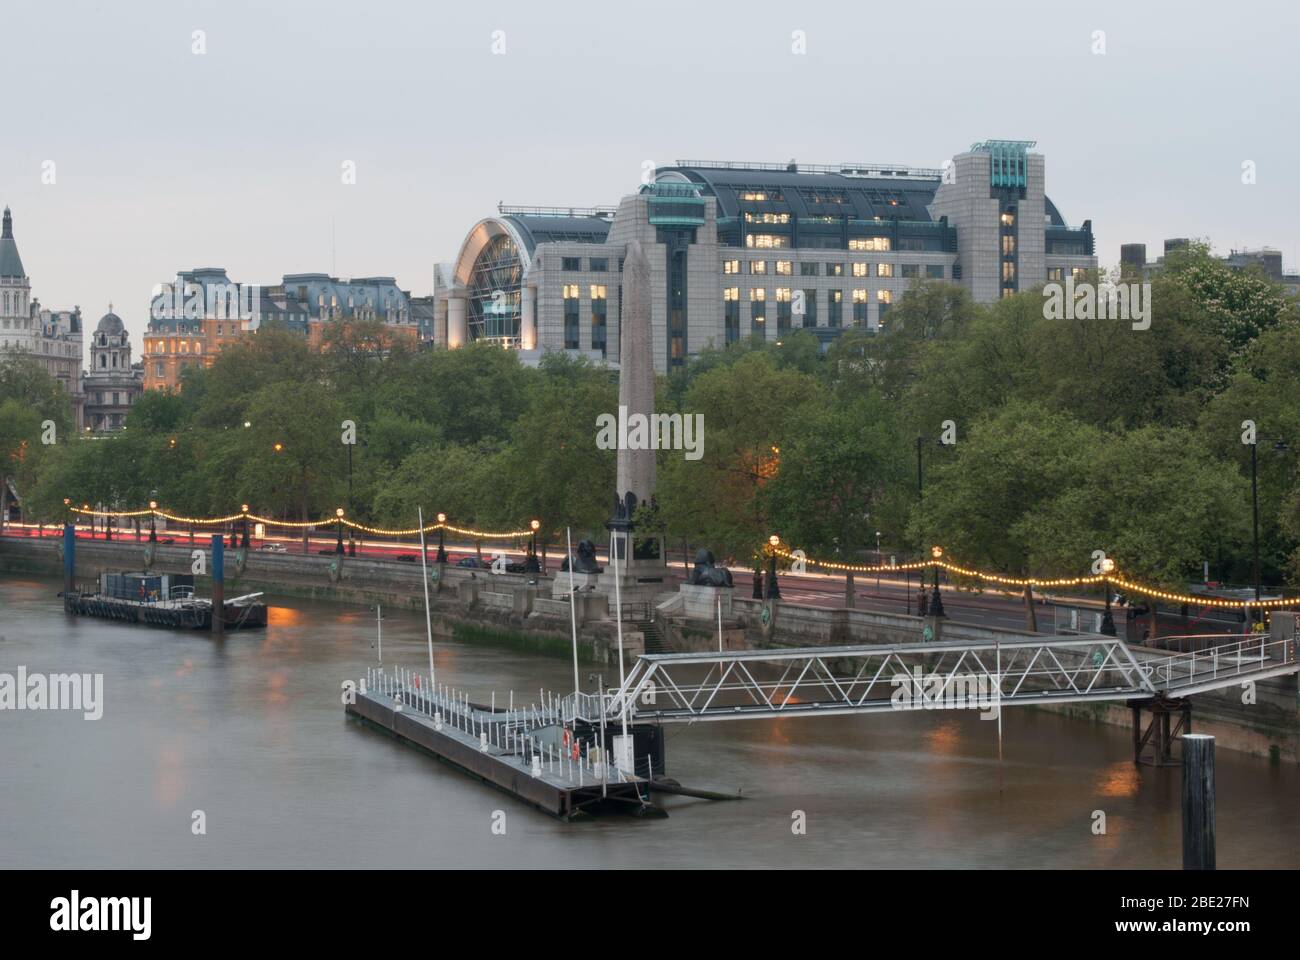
<point x="165" y="159"/>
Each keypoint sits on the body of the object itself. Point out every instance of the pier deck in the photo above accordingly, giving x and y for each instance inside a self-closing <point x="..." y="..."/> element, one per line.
<point x="511" y="750"/>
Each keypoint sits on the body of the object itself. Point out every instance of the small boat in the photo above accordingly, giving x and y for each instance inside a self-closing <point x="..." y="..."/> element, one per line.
<point x="163" y="600"/>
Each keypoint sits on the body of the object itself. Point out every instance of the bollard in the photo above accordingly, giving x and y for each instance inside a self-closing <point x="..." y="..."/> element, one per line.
<point x="1198" y="801"/>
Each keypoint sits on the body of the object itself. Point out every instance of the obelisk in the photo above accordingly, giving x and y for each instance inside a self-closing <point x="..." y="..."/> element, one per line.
<point x="636" y="377"/>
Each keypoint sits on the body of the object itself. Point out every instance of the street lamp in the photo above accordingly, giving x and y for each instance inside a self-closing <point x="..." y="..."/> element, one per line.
<point x="1107" y="621"/>
<point x="531" y="564"/>
<point x="1279" y="446"/>
<point x="244" y="539"/>
<point x="352" y="544"/>
<point x="338" y="547"/>
<point x="936" y="601"/>
<point x="773" y="588"/>
<point x="153" y="525"/>
<point x="442" y="549"/>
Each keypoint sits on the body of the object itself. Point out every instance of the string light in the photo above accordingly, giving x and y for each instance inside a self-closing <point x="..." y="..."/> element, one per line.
<point x="1112" y="576"/>
<point x="303" y="524"/>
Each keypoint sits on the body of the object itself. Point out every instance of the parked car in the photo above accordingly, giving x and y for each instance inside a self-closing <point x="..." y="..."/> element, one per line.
<point x="406" y="557"/>
<point x="272" y="547"/>
<point x="473" y="562"/>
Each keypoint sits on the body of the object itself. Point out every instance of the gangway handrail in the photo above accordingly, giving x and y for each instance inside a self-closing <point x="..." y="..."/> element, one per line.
<point x="1248" y="656"/>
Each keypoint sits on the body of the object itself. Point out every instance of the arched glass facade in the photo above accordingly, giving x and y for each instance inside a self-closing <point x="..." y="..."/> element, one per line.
<point x="493" y="292"/>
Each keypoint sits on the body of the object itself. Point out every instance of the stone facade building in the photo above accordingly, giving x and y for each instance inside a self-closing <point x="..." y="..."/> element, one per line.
<point x="50" y="337"/>
<point x="204" y="311"/>
<point x="112" y="384"/>
<point x="742" y="249"/>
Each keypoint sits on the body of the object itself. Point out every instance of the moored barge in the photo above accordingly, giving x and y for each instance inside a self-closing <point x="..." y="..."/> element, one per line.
<point x="163" y="600"/>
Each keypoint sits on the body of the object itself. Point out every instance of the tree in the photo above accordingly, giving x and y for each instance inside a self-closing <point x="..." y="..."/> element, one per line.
<point x="981" y="504"/>
<point x="552" y="469"/>
<point x="293" y="456"/>
<point x="843" y="477"/>
<point x="747" y="407"/>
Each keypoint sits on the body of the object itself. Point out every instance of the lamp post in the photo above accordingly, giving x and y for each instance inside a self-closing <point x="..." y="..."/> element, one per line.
<point x="773" y="588"/>
<point x="936" y="601"/>
<point x="442" y="548"/>
<point x="244" y="539"/>
<point x="352" y="545"/>
<point x="530" y="562"/>
<point x="153" y="514"/>
<point x="338" y="546"/>
<point x="1279" y="446"/>
<point x="1107" y="621"/>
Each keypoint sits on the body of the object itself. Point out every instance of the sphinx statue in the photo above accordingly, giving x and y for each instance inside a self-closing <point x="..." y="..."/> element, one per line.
<point x="585" y="559"/>
<point x="708" y="574"/>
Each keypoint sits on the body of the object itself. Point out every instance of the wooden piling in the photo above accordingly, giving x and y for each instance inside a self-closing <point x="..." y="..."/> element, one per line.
<point x="1198" y="802"/>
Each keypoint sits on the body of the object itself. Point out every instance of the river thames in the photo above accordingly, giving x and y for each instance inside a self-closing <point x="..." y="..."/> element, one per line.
<point x="251" y="731"/>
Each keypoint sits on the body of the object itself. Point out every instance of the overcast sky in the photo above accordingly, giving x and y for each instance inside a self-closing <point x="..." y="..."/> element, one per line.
<point x="167" y="160"/>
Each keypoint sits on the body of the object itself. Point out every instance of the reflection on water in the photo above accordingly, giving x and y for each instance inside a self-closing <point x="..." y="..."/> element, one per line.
<point x="251" y="731"/>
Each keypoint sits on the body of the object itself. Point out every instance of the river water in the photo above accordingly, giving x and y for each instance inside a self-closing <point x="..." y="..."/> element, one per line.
<point x="251" y="731"/>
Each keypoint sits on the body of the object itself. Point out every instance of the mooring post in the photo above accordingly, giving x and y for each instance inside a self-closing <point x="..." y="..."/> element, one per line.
<point x="1198" y="801"/>
<point x="218" y="583"/>
<point x="69" y="559"/>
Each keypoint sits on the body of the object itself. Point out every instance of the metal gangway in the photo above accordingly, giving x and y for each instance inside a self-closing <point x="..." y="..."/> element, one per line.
<point x="878" y="678"/>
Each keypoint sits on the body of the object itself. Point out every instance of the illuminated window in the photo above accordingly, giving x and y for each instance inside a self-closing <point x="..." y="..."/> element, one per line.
<point x="835" y="317"/>
<point x="1008" y="271"/>
<point x="875" y="244"/>
<point x="758" y="266"/>
<point x="1055" y="273"/>
<point x="571" y="294"/>
<point x="783" y="309"/>
<point x="767" y="218"/>
<point x="834" y="269"/>
<point x="884" y="269"/>
<point x="1078" y="272"/>
<point x="757" y="294"/>
<point x="862" y="269"/>
<point x="599" y="312"/>
<point x="884" y="296"/>
<point x="731" y="313"/>
<point x="1008" y="244"/>
<point x="785" y="268"/>
<point x="860" y="307"/>
<point x="766" y="241"/>
<point x="730" y="266"/>
<point x="1008" y="219"/>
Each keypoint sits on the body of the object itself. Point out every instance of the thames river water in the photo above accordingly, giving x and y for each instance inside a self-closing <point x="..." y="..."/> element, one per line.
<point x="251" y="731"/>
